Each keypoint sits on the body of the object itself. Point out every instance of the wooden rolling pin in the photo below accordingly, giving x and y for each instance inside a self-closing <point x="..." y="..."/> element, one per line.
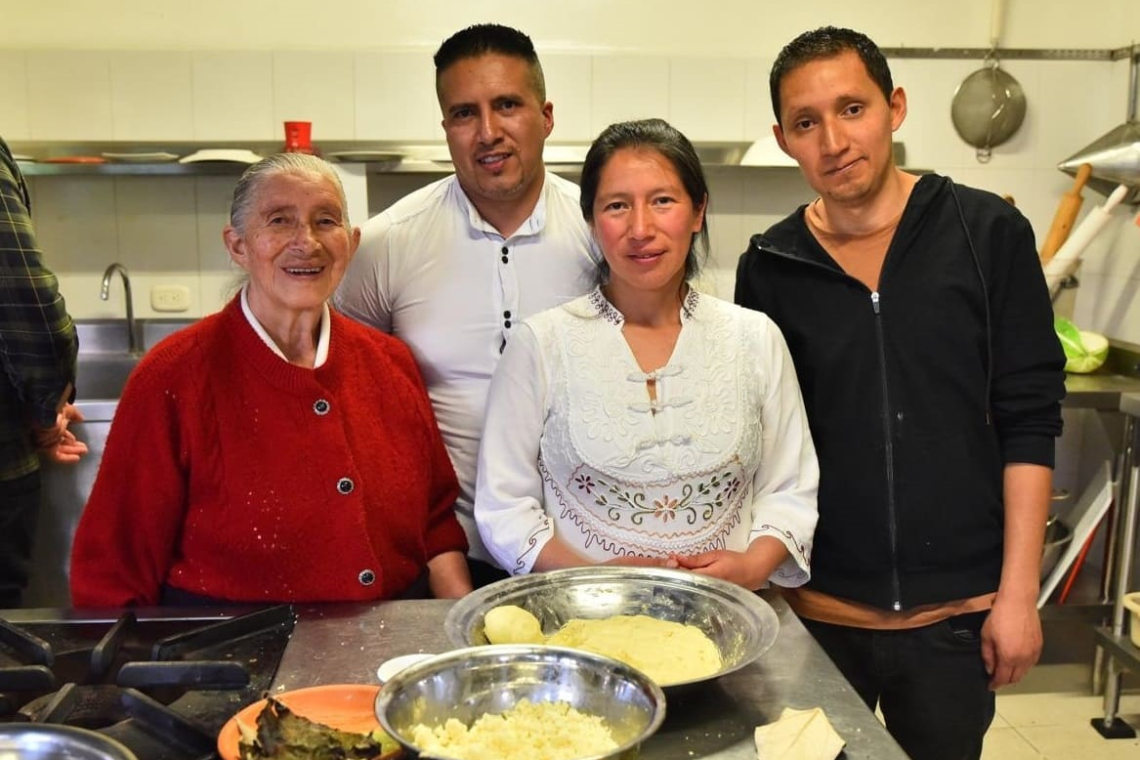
<point x="1067" y="211"/>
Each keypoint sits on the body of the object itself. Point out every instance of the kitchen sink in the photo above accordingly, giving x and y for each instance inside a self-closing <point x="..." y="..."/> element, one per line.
<point x="104" y="363"/>
<point x="102" y="376"/>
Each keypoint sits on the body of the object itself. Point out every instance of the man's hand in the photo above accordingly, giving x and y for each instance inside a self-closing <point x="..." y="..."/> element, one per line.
<point x="57" y="443"/>
<point x="1011" y="640"/>
<point x="67" y="450"/>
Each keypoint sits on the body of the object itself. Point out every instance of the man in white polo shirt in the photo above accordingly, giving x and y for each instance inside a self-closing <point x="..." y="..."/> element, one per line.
<point x="452" y="267"/>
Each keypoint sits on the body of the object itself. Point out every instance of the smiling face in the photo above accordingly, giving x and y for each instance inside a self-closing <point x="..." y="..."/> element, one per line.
<point x="294" y="245"/>
<point x="644" y="221"/>
<point x="836" y="124"/>
<point x="496" y="124"/>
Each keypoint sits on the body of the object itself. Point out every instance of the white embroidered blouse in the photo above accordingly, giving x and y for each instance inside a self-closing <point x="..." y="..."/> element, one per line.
<point x="574" y="447"/>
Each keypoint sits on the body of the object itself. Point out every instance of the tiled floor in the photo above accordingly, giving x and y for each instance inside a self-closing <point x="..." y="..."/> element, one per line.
<point x="1056" y="726"/>
<point x="1046" y="718"/>
<point x="1032" y="723"/>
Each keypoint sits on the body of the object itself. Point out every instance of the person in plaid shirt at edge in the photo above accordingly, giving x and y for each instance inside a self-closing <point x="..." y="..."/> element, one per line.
<point x="37" y="356"/>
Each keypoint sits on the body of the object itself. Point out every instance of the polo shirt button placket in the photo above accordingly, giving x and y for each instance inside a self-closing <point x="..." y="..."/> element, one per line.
<point x="321" y="407"/>
<point x="366" y="577"/>
<point x="345" y="486"/>
<point x="506" y="255"/>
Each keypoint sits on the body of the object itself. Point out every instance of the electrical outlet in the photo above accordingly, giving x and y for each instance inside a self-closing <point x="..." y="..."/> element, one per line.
<point x="170" y="298"/>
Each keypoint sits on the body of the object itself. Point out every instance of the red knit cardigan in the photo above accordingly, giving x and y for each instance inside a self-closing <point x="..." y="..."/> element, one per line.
<point x="231" y="474"/>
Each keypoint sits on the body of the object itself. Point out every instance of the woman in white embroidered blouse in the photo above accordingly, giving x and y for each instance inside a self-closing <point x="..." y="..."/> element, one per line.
<point x="647" y="423"/>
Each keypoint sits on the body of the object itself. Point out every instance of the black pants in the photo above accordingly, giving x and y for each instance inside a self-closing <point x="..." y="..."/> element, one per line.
<point x="930" y="682"/>
<point x="19" y="506"/>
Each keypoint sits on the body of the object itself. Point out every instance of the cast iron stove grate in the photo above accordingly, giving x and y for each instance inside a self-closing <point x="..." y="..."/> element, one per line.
<point x="163" y="687"/>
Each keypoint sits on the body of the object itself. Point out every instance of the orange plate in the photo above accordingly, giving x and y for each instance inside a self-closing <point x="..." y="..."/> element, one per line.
<point x="348" y="707"/>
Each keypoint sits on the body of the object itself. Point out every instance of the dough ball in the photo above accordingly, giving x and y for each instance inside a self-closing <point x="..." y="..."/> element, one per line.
<point x="508" y="624"/>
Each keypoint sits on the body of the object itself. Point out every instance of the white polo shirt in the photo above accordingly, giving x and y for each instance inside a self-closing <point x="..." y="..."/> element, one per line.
<point x="433" y="273"/>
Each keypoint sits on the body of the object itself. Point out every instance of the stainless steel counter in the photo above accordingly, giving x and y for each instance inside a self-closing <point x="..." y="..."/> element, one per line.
<point x="345" y="644"/>
<point x="1099" y="390"/>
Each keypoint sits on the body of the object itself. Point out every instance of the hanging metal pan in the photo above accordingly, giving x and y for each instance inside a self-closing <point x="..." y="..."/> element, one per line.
<point x="988" y="108"/>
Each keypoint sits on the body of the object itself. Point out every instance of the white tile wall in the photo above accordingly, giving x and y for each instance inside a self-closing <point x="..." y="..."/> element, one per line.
<point x="315" y="86"/>
<point x="14" y="95"/>
<point x="152" y="96"/>
<point x="155" y="232"/>
<point x="395" y="97"/>
<point x="69" y="95"/>
<point x="212" y="196"/>
<point x="628" y="87"/>
<point x="390" y="96"/>
<point x="568" y="80"/>
<point x="758" y="116"/>
<point x="1108" y="299"/>
<point x="233" y="96"/>
<point x="928" y="131"/>
<point x="707" y="98"/>
<point x="77" y="229"/>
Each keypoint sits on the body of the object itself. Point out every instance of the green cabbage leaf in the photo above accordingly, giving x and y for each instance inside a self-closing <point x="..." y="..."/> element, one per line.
<point x="1084" y="351"/>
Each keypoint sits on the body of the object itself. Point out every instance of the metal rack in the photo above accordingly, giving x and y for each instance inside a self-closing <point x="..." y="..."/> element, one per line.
<point x="1121" y="653"/>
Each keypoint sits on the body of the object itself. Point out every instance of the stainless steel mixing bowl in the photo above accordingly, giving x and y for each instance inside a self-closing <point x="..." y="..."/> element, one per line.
<point x="467" y="683"/>
<point x="741" y="624"/>
<point x="38" y="741"/>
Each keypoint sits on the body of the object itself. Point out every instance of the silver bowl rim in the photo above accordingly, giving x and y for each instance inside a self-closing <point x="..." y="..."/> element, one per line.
<point x="526" y="652"/>
<point x="762" y="614"/>
<point x="106" y="745"/>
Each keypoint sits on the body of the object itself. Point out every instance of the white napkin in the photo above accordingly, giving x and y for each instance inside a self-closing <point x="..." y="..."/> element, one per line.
<point x="798" y="735"/>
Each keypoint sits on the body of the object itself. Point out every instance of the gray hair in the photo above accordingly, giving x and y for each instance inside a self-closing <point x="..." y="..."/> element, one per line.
<point x="249" y="185"/>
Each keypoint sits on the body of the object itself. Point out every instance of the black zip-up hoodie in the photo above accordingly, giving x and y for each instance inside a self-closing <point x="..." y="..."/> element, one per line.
<point x="919" y="394"/>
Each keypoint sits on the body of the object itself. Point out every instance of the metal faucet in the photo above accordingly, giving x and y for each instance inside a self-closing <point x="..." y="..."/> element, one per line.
<point x="105" y="292"/>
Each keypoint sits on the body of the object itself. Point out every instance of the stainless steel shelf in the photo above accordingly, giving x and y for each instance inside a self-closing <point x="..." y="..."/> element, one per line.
<point x="1121" y="648"/>
<point x="113" y="169"/>
<point x="1024" y="54"/>
<point x="423" y="158"/>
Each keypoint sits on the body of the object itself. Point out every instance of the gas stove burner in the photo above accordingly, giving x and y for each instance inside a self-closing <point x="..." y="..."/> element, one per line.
<point x="81" y="706"/>
<point x="161" y="686"/>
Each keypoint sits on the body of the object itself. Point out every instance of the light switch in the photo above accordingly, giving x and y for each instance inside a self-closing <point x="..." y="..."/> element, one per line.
<point x="170" y="298"/>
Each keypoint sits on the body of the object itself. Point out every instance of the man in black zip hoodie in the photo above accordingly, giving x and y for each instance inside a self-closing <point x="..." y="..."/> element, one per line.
<point x="921" y="328"/>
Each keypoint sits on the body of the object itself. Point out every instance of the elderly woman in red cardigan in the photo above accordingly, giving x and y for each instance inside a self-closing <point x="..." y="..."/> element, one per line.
<point x="275" y="451"/>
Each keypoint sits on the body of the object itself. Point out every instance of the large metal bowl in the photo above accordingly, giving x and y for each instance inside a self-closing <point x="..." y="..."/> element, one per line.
<point x="467" y="683"/>
<point x="741" y="624"/>
<point x="38" y="741"/>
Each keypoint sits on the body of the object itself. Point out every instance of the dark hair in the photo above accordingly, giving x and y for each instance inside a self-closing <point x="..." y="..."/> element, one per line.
<point x="828" y="42"/>
<point x="249" y="184"/>
<point x="656" y="135"/>
<point x="486" y="39"/>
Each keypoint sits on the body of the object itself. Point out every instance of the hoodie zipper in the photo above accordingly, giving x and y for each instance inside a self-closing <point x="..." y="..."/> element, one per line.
<point x="888" y="439"/>
<point x="892" y="508"/>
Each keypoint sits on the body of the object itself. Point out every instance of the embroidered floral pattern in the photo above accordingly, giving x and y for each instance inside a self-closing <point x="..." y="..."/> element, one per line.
<point x="696" y="501"/>
<point x="665" y="509"/>
<point x="619" y="481"/>
<point x="585" y="483"/>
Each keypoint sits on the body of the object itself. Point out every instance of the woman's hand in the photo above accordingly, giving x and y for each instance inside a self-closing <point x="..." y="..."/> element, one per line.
<point x="735" y="567"/>
<point x="448" y="576"/>
<point x="749" y="568"/>
<point x="641" y="562"/>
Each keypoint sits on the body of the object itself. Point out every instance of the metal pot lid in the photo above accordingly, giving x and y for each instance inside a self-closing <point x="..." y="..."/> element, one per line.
<point x="988" y="108"/>
<point x="36" y="741"/>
